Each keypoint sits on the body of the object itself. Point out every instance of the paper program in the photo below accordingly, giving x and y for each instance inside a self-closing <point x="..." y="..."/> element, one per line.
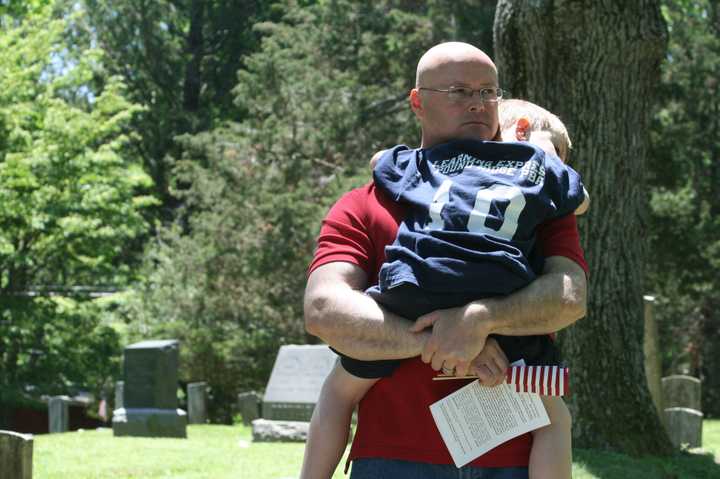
<point x="475" y="418"/>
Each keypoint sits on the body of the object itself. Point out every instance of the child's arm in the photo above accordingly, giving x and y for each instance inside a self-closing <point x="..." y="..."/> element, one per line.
<point x="330" y="422"/>
<point x="585" y="203"/>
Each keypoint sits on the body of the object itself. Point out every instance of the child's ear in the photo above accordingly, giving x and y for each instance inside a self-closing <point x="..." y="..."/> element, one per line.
<point x="522" y="129"/>
<point x="415" y="102"/>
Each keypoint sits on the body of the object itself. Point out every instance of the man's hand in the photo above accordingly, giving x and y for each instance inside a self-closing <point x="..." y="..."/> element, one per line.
<point x="457" y="338"/>
<point x="491" y="364"/>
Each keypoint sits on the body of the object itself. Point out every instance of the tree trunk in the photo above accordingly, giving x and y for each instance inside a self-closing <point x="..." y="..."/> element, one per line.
<point x="596" y="65"/>
<point x="195" y="49"/>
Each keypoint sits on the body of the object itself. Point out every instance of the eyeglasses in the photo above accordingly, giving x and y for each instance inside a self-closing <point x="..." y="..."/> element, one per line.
<point x="461" y="94"/>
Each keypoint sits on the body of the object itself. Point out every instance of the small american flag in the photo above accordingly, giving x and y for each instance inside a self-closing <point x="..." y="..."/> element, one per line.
<point x="543" y="380"/>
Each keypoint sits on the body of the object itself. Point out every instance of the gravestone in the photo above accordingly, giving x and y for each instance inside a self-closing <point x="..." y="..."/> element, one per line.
<point x="58" y="414"/>
<point x="119" y="387"/>
<point x="197" y="403"/>
<point x="651" y="349"/>
<point x="249" y="403"/>
<point x="684" y="426"/>
<point x="296" y="380"/>
<point x="682" y="401"/>
<point x="16" y="451"/>
<point x="150" y="392"/>
<point x="681" y="391"/>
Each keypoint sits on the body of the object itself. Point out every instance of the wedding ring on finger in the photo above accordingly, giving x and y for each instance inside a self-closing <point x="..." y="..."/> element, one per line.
<point x="448" y="371"/>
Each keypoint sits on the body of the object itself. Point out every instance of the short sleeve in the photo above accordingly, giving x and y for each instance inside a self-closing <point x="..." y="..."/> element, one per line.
<point x="344" y="236"/>
<point x="560" y="237"/>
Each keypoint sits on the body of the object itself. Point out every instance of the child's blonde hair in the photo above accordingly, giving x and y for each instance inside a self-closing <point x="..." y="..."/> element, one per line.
<point x="510" y="111"/>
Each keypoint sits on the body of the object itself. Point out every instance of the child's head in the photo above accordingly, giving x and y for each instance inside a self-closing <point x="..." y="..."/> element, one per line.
<point x="541" y="125"/>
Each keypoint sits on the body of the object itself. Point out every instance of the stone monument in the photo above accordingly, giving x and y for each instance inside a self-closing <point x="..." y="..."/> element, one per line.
<point x="58" y="414"/>
<point x="249" y="406"/>
<point x="681" y="391"/>
<point x="150" y="392"/>
<point x="684" y="426"/>
<point x="295" y="381"/>
<point x="16" y="451"/>
<point x="682" y="401"/>
<point x="197" y="403"/>
<point x="292" y="392"/>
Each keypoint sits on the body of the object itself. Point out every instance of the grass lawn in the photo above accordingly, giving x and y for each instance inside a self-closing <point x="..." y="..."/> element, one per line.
<point x="217" y="452"/>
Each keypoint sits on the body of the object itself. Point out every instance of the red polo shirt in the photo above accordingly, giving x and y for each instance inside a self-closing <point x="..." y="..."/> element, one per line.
<point x="394" y="419"/>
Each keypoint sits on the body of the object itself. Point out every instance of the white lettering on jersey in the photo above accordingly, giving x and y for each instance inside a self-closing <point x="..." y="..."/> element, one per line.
<point x="483" y="201"/>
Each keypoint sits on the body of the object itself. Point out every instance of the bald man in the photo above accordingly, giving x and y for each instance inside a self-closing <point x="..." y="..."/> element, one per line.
<point x="396" y="436"/>
<point x="454" y="64"/>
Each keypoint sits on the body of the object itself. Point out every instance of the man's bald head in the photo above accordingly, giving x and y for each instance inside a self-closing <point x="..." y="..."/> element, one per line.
<point x="455" y="67"/>
<point x="445" y="54"/>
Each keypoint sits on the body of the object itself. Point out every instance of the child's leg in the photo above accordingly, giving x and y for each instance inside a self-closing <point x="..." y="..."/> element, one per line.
<point x="330" y="423"/>
<point x="551" y="454"/>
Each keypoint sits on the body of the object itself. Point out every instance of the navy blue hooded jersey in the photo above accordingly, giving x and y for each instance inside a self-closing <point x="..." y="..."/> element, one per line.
<point x="473" y="207"/>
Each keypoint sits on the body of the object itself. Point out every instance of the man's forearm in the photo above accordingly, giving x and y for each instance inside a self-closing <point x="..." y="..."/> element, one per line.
<point x="352" y="322"/>
<point x="555" y="300"/>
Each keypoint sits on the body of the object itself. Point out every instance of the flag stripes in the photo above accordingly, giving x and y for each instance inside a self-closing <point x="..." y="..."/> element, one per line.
<point x="543" y="380"/>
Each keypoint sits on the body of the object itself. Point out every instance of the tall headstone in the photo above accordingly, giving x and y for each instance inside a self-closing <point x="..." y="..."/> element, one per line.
<point x="16" y="451"/>
<point x="150" y="392"/>
<point x="58" y="414"/>
<point x="683" y="418"/>
<point x="197" y="403"/>
<point x="296" y="380"/>
<point x="119" y="387"/>
<point x="681" y="391"/>
<point x="653" y="369"/>
<point x="249" y="403"/>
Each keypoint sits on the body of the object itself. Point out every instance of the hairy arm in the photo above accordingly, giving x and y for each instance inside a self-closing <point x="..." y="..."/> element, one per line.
<point x="338" y="312"/>
<point x="553" y="301"/>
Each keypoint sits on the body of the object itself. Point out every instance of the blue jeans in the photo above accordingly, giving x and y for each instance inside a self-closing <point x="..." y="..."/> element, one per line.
<point x="377" y="468"/>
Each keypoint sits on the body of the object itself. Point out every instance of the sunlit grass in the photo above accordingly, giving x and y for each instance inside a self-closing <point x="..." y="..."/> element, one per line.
<point x="218" y="452"/>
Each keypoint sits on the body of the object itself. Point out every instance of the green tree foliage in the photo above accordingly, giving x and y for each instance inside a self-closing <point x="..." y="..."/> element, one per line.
<point x="231" y="289"/>
<point x="251" y="118"/>
<point x="69" y="197"/>
<point x="179" y="60"/>
<point x="54" y="345"/>
<point x="685" y="223"/>
<point x="70" y="202"/>
<point x="227" y="279"/>
<point x="352" y="98"/>
<point x="11" y="11"/>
